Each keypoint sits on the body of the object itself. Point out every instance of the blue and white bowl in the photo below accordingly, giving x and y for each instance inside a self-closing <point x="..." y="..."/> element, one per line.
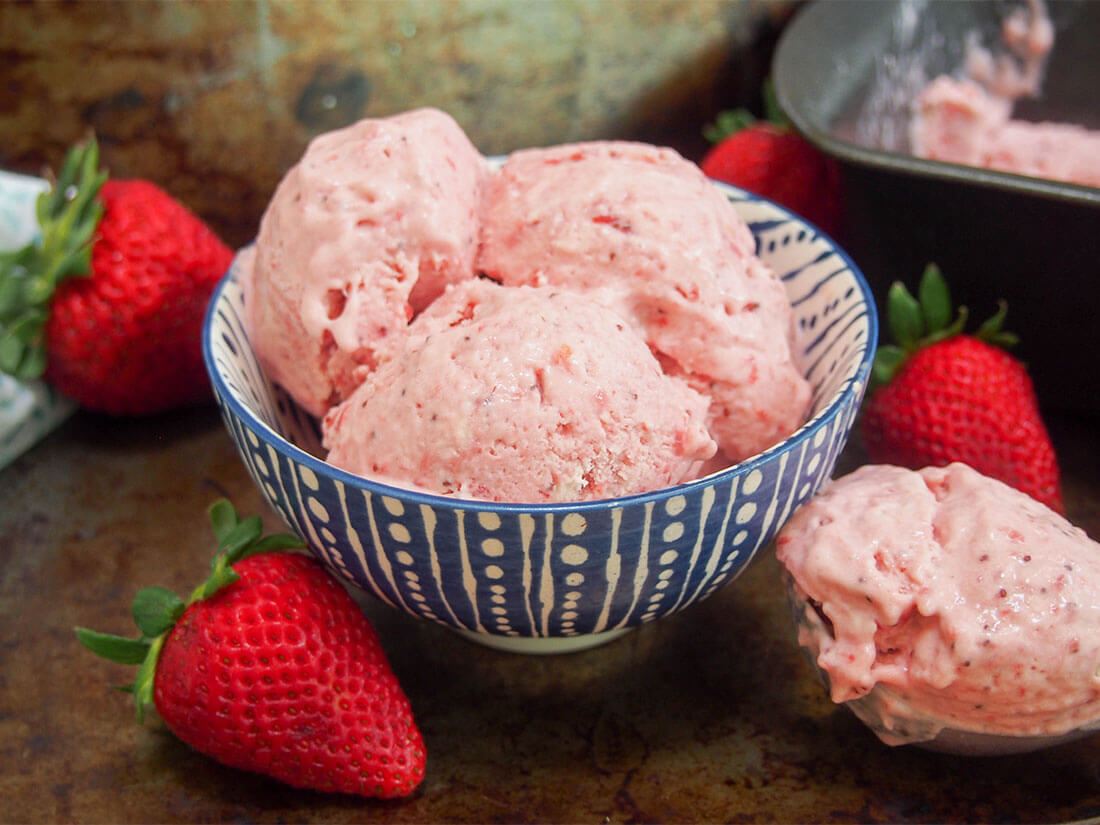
<point x="554" y="577"/>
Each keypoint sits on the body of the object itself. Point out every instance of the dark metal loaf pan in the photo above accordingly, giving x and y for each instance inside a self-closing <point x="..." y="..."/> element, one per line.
<point x="845" y="73"/>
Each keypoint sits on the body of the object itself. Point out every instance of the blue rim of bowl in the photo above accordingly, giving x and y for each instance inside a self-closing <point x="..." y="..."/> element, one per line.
<point x="297" y="455"/>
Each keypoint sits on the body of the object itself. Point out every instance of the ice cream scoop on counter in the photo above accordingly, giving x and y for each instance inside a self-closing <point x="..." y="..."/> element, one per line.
<point x="364" y="231"/>
<point x="944" y="599"/>
<point x="523" y="394"/>
<point x="646" y="230"/>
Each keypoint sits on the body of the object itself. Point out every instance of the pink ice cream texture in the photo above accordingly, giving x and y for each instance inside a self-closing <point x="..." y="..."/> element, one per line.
<point x="380" y="219"/>
<point x="645" y="230"/>
<point x="974" y="606"/>
<point x="364" y="231"/>
<point x="521" y="394"/>
<point x="959" y="121"/>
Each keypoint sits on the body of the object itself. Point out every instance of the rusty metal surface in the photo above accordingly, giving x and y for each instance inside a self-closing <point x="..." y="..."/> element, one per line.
<point x="709" y="716"/>
<point x="215" y="101"/>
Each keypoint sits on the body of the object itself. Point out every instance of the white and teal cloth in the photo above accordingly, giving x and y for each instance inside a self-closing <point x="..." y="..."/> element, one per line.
<point x="28" y="409"/>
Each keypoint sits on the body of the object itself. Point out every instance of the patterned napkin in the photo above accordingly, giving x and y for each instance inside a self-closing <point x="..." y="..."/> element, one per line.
<point x="28" y="409"/>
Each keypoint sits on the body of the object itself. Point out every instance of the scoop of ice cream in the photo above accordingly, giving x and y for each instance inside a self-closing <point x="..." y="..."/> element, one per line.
<point x="365" y="230"/>
<point x="645" y="230"/>
<point x="521" y="394"/>
<point x="944" y="598"/>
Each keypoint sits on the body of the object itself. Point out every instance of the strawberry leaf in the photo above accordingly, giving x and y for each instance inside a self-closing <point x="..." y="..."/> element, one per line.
<point x="888" y="358"/>
<point x="116" y="649"/>
<point x="221" y="576"/>
<point x="68" y="215"/>
<point x="904" y="317"/>
<point x="727" y="123"/>
<point x="276" y="541"/>
<point x="935" y="299"/>
<point x="918" y="322"/>
<point x="13" y="281"/>
<point x="143" y="682"/>
<point x="773" y="113"/>
<point x="156" y="610"/>
<point x="1004" y="340"/>
<point x="243" y="535"/>
<point x="223" y="518"/>
<point x="994" y="323"/>
<point x="951" y="331"/>
<point x="730" y="121"/>
<point x="239" y="539"/>
<point x="12" y="353"/>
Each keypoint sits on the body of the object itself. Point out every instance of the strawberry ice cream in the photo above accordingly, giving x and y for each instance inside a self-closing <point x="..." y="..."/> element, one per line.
<point x="585" y="321"/>
<point x="959" y="121"/>
<point x="968" y="119"/>
<point x="646" y="231"/>
<point x="945" y="599"/>
<point x="523" y="394"/>
<point x="370" y="226"/>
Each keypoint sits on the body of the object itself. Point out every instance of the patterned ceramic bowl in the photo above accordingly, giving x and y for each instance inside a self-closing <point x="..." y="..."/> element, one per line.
<point x="545" y="578"/>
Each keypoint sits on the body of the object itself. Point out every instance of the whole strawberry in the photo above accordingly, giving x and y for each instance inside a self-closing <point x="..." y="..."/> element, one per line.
<point x="271" y="667"/>
<point x="944" y="396"/>
<point x="771" y="159"/>
<point x="108" y="302"/>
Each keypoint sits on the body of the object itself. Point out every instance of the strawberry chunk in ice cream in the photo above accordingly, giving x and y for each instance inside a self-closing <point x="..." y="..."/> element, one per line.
<point x="522" y="394"/>
<point x="944" y="598"/>
<point x="364" y="231"/>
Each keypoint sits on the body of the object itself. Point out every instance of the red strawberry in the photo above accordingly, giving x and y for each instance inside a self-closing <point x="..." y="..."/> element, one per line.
<point x="108" y="303"/>
<point x="945" y="396"/>
<point x="271" y="667"/>
<point x="771" y="159"/>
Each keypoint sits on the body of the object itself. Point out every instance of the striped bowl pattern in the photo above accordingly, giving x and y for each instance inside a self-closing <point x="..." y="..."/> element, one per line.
<point x="510" y="574"/>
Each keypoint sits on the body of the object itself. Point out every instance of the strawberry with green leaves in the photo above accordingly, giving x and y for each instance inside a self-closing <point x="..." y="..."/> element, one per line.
<point x="270" y="666"/>
<point x="940" y="395"/>
<point x="768" y="157"/>
<point x="108" y="302"/>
